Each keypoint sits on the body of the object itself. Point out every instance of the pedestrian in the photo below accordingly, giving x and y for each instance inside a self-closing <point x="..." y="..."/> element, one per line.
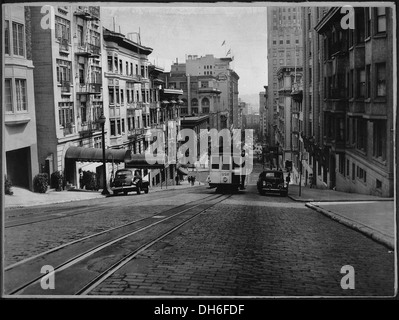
<point x="137" y="180"/>
<point x="80" y="178"/>
<point x="189" y="179"/>
<point x="288" y="178"/>
<point x="311" y="180"/>
<point x="192" y="180"/>
<point x="177" y="179"/>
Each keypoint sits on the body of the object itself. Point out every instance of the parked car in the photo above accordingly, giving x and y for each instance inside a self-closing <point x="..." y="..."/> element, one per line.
<point x="125" y="181"/>
<point x="272" y="181"/>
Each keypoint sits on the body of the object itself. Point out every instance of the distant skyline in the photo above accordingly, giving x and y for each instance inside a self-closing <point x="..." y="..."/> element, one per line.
<point x="174" y="31"/>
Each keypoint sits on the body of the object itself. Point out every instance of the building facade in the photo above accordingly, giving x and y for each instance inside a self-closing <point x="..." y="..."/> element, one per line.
<point x="349" y="110"/>
<point x="285" y="48"/>
<point x="19" y="100"/>
<point x="288" y="78"/>
<point x="210" y="87"/>
<point x="68" y="84"/>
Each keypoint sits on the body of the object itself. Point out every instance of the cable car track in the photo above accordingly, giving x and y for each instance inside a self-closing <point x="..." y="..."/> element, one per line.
<point x="91" y="249"/>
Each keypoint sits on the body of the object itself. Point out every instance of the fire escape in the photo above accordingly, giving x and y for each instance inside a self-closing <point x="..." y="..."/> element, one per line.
<point x="89" y="86"/>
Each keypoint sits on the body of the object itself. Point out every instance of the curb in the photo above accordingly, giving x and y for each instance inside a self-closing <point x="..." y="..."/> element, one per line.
<point x="337" y="200"/>
<point x="98" y="196"/>
<point x="369" y="232"/>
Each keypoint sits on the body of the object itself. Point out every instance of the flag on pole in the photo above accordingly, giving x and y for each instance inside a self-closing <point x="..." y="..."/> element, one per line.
<point x="228" y="52"/>
<point x="224" y="41"/>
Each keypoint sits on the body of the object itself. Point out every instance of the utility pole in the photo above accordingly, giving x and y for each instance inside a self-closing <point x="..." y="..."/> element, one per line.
<point x="300" y="174"/>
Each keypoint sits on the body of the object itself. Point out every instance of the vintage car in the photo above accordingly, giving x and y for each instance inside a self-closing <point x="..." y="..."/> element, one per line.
<point x="125" y="182"/>
<point x="272" y="181"/>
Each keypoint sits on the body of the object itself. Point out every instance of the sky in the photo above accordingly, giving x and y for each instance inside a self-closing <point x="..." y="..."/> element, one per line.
<point x="176" y="30"/>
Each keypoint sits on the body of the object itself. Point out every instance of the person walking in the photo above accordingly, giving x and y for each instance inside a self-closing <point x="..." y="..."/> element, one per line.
<point x="192" y="180"/>
<point x="189" y="179"/>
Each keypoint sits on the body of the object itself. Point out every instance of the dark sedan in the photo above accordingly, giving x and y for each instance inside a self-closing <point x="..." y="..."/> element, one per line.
<point x="125" y="181"/>
<point x="272" y="181"/>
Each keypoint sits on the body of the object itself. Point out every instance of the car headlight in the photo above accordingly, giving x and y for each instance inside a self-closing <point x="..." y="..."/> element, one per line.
<point x="264" y="183"/>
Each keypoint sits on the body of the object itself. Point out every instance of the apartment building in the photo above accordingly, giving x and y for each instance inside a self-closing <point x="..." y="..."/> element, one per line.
<point x="289" y="78"/>
<point x="68" y="86"/>
<point x="18" y="106"/>
<point x="349" y="131"/>
<point x="284" y="43"/>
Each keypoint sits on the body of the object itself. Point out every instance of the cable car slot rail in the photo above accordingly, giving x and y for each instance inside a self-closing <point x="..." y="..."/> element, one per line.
<point x="61" y="213"/>
<point x="78" y="268"/>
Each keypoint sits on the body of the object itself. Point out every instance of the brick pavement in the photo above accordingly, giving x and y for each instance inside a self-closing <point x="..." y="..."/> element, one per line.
<point x="234" y="250"/>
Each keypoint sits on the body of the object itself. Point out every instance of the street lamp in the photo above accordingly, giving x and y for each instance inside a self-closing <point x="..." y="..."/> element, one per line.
<point x="101" y="121"/>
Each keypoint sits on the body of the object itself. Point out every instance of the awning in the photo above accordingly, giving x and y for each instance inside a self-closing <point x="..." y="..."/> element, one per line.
<point x="141" y="161"/>
<point x="96" y="154"/>
<point x="183" y="171"/>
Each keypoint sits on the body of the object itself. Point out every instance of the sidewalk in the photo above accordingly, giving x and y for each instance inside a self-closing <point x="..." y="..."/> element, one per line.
<point x="25" y="198"/>
<point x="371" y="215"/>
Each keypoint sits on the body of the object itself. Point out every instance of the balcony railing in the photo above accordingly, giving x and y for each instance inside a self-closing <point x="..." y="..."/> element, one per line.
<point x="65" y="87"/>
<point x="88" y="49"/>
<point x="88" y="13"/>
<point x="64" y="45"/>
<point x="88" y="127"/>
<point x="89" y="88"/>
<point x="135" y="132"/>
<point x="69" y="128"/>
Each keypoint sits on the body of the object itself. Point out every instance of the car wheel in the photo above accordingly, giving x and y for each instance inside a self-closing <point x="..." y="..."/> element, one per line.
<point x="125" y="193"/>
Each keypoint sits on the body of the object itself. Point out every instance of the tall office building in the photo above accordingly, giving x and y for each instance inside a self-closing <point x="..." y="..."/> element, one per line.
<point x="209" y="86"/>
<point x="284" y="43"/>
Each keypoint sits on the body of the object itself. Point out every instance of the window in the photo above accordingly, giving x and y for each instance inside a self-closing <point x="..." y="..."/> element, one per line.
<point x="288" y="41"/>
<point x="342" y="164"/>
<point x="7" y="37"/>
<point x="361" y="83"/>
<point x="297" y="41"/>
<point x="131" y="69"/>
<point x="353" y="171"/>
<point x="127" y="68"/>
<point x="111" y="95"/>
<point x="8" y="95"/>
<point x="381" y="25"/>
<point x="83" y="111"/>
<point x="63" y="70"/>
<point x="361" y="174"/>
<point x="65" y="113"/>
<point x="122" y="98"/>
<point x="18" y="38"/>
<point x="80" y="36"/>
<point x="368" y="79"/>
<point x="378" y="184"/>
<point x="347" y="168"/>
<point x="117" y="95"/>
<point x="274" y="42"/>
<point x="380" y="78"/>
<point x="360" y="26"/>
<point x="20" y="86"/>
<point x="281" y="41"/>
<point x="368" y="21"/>
<point x="62" y="29"/>
<point x="361" y="135"/>
<point x="120" y="66"/>
<point x="379" y="139"/>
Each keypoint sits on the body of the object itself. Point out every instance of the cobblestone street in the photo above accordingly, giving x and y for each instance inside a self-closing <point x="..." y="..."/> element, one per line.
<point x="268" y="249"/>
